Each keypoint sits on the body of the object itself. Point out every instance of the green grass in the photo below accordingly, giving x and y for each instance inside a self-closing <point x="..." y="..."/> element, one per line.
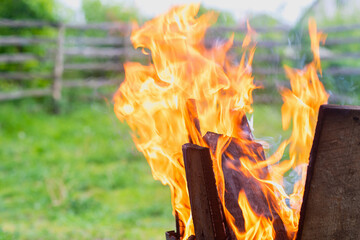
<point x="78" y="175"/>
<point x="75" y="176"/>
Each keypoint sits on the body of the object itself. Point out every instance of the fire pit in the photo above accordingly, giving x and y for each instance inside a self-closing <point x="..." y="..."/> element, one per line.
<point x="188" y="112"/>
<point x="331" y="190"/>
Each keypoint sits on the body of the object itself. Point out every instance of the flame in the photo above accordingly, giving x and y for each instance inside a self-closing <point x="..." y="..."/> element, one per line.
<point x="300" y="108"/>
<point x="154" y="101"/>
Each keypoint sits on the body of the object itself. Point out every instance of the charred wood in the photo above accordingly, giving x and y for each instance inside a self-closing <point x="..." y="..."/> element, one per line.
<point x="171" y="235"/>
<point x="237" y="181"/>
<point x="206" y="208"/>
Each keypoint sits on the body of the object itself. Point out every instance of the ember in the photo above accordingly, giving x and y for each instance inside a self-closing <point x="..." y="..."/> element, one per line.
<point x="155" y="102"/>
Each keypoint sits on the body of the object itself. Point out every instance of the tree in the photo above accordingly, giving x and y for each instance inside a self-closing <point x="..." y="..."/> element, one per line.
<point x="42" y="10"/>
<point x="97" y="11"/>
<point x="25" y="9"/>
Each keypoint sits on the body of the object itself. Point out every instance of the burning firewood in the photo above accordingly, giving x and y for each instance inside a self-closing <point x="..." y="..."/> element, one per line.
<point x="226" y="165"/>
<point x="237" y="181"/>
<point x="207" y="212"/>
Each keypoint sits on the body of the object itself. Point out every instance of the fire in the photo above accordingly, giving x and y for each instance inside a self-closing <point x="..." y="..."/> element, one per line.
<point x="154" y="101"/>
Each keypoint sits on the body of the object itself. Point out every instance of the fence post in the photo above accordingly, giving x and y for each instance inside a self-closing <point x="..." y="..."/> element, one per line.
<point x="127" y="43"/>
<point x="58" y="68"/>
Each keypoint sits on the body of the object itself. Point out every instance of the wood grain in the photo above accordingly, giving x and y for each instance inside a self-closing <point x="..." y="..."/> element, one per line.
<point x="206" y="209"/>
<point x="330" y="209"/>
<point x="236" y="181"/>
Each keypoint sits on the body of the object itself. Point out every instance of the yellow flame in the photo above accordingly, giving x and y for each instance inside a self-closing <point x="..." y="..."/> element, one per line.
<point x="154" y="101"/>
<point x="255" y="227"/>
<point x="300" y="108"/>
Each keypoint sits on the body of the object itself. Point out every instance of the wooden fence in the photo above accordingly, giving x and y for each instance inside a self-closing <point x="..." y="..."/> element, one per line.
<point x="61" y="50"/>
<point x="91" y="55"/>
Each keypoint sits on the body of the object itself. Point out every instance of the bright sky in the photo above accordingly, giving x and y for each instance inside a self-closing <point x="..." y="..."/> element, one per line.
<point x="287" y="10"/>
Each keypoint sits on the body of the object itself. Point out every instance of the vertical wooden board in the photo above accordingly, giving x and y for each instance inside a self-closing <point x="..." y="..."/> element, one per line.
<point x="206" y="209"/>
<point x="58" y="68"/>
<point x="331" y="205"/>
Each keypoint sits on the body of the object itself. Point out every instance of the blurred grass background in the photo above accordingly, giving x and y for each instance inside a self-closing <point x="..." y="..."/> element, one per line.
<point x="78" y="175"/>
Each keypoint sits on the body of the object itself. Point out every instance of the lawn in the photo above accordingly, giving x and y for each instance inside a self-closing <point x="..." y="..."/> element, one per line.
<point x="78" y="175"/>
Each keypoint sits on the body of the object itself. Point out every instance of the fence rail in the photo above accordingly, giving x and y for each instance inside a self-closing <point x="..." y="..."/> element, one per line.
<point x="104" y="54"/>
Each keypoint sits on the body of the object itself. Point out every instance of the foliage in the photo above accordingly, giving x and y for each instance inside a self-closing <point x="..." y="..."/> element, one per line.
<point x="43" y="10"/>
<point x="24" y="9"/>
<point x="98" y="11"/>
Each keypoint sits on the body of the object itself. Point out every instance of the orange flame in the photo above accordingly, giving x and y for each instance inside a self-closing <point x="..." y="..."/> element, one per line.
<point x="154" y="101"/>
<point x="301" y="106"/>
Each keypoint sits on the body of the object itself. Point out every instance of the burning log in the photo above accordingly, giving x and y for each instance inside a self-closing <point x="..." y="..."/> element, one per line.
<point x="206" y="208"/>
<point x="237" y="181"/>
<point x="330" y="208"/>
<point x="207" y="212"/>
<point x="209" y="220"/>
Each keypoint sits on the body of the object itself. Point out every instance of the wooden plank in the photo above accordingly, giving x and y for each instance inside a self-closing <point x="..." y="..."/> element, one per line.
<point x="40" y="24"/>
<point x="330" y="208"/>
<point x="17" y="58"/>
<point x="206" y="209"/>
<point x="26" y="24"/>
<point x="212" y="40"/>
<point x="276" y="58"/>
<point x="340" y="28"/>
<point x="112" y="41"/>
<point x="24" y="76"/>
<point x="21" y="41"/>
<point x="343" y="71"/>
<point x="107" y="66"/>
<point x="339" y="41"/>
<point x="282" y="28"/>
<point x="283" y="43"/>
<point x="341" y="56"/>
<point x="24" y="94"/>
<point x="106" y="26"/>
<point x="104" y="52"/>
<point x="92" y="83"/>
<point x="243" y="28"/>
